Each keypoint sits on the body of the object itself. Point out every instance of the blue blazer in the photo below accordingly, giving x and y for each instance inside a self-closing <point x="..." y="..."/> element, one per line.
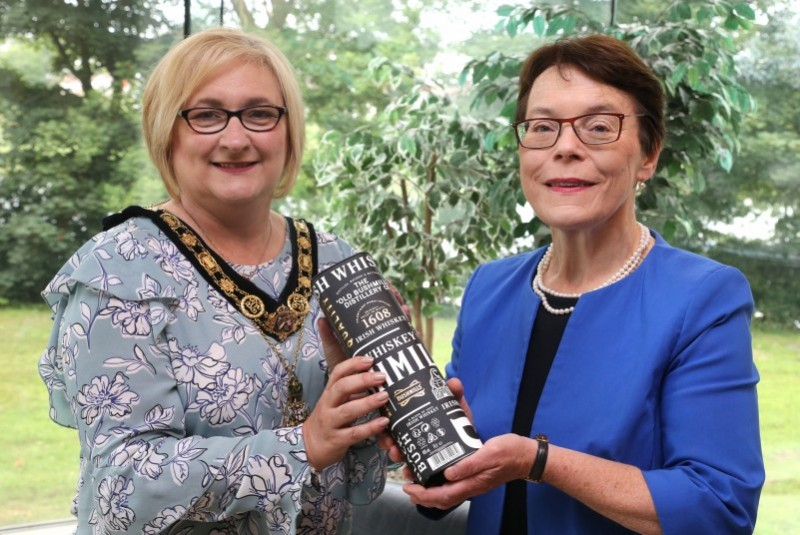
<point x="655" y="371"/>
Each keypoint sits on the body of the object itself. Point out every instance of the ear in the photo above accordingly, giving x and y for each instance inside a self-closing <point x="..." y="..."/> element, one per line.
<point x="649" y="165"/>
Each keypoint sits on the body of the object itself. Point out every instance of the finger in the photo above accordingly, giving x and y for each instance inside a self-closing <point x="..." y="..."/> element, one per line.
<point x="352" y="413"/>
<point x="457" y="388"/>
<point x="396" y="455"/>
<point x="351" y="388"/>
<point x="441" y="497"/>
<point x="385" y="441"/>
<point x="334" y="354"/>
<point x="395" y="293"/>
<point x="464" y="469"/>
<point x="407" y="473"/>
<point x="349" y="367"/>
<point x="354" y="434"/>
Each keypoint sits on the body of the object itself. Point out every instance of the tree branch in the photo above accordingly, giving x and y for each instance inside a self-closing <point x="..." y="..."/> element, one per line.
<point x="244" y="14"/>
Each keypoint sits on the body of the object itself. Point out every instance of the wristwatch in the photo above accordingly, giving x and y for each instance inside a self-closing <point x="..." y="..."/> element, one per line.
<point x="537" y="470"/>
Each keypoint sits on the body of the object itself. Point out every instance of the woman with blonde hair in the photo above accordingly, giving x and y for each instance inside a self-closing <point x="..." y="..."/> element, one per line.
<point x="186" y="348"/>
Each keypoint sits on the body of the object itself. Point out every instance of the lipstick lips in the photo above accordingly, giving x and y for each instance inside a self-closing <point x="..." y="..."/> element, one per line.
<point x="567" y="183"/>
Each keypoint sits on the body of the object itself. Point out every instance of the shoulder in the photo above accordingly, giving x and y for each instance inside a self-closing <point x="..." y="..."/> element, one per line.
<point x="330" y="248"/>
<point x="514" y="269"/>
<point x="129" y="260"/>
<point x="695" y="292"/>
<point x="679" y="268"/>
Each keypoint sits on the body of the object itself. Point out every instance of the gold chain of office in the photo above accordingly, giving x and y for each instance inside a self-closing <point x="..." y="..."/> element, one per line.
<point x="288" y="318"/>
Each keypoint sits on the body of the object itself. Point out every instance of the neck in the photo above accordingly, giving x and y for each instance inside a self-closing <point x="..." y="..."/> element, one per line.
<point x="583" y="260"/>
<point x="248" y="237"/>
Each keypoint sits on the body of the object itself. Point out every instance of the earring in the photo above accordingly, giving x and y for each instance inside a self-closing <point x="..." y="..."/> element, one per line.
<point x="640" y="185"/>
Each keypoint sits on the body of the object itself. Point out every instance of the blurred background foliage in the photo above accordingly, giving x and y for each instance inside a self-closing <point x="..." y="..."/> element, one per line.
<point x="408" y="102"/>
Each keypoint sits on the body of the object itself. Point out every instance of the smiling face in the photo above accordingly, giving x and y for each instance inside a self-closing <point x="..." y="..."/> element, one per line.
<point x="236" y="166"/>
<point x="572" y="186"/>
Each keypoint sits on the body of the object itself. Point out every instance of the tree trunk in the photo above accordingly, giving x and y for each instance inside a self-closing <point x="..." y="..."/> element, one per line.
<point x="428" y="258"/>
<point x="245" y="16"/>
<point x="187" y="18"/>
<point x="280" y="11"/>
<point x="416" y="315"/>
<point x="428" y="336"/>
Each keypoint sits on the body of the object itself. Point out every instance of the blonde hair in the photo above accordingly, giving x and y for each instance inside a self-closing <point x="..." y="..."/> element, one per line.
<point x="187" y="66"/>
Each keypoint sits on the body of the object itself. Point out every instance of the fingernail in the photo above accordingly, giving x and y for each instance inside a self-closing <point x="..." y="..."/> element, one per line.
<point x="367" y="359"/>
<point x="383" y="395"/>
<point x="384" y="421"/>
<point x="379" y="376"/>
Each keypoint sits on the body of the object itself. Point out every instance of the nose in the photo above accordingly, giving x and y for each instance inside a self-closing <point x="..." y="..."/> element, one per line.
<point x="568" y="141"/>
<point x="235" y="136"/>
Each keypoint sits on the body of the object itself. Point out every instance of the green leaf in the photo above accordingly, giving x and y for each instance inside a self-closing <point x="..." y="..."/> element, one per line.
<point x="679" y="72"/>
<point x="693" y="77"/>
<point x="569" y="24"/>
<point x="683" y="10"/>
<point x="669" y="230"/>
<point x="511" y="28"/>
<point x="554" y="26"/>
<point x="509" y="110"/>
<point x="458" y="158"/>
<point x="744" y="10"/>
<point x="407" y="144"/>
<point x="489" y="141"/>
<point x="539" y="25"/>
<point x="462" y="78"/>
<point x="505" y="10"/>
<point x="725" y="159"/>
<point x="732" y="22"/>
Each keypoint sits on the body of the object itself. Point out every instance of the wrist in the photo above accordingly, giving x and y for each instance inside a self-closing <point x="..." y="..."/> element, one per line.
<point x="540" y="460"/>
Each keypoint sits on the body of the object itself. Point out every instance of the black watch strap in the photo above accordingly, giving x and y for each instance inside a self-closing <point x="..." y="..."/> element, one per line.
<point x="537" y="470"/>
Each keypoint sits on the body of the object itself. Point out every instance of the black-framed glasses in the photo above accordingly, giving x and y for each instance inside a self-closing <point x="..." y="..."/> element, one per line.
<point x="262" y="118"/>
<point x="591" y="129"/>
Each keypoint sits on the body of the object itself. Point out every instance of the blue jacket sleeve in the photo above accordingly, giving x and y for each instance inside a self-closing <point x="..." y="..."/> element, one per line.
<point x="712" y="468"/>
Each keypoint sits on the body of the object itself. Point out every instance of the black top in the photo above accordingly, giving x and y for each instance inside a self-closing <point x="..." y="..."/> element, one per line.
<point x="544" y="341"/>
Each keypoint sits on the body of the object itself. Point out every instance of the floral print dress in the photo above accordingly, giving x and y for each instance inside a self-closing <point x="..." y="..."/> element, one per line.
<point x="178" y="398"/>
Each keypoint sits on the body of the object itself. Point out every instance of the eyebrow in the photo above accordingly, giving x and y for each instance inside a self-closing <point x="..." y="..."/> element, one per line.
<point x="216" y="103"/>
<point x="540" y="111"/>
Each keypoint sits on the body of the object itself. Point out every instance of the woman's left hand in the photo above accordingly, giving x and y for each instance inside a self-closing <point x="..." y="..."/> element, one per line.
<point x="331" y="428"/>
<point x="498" y="461"/>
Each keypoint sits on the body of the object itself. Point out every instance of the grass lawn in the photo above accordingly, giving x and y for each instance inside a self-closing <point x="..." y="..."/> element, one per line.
<point x="38" y="459"/>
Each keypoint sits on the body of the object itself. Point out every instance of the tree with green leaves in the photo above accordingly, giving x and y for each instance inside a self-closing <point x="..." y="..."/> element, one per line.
<point x="764" y="184"/>
<point x="411" y="144"/>
<point x="65" y="153"/>
<point x="413" y="192"/>
<point x="691" y="47"/>
<point x="330" y="44"/>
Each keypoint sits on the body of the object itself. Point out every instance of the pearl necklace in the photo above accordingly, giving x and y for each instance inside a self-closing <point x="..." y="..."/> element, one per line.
<point x="627" y="268"/>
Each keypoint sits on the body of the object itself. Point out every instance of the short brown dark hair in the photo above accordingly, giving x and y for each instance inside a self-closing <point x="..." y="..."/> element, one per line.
<point x="609" y="61"/>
